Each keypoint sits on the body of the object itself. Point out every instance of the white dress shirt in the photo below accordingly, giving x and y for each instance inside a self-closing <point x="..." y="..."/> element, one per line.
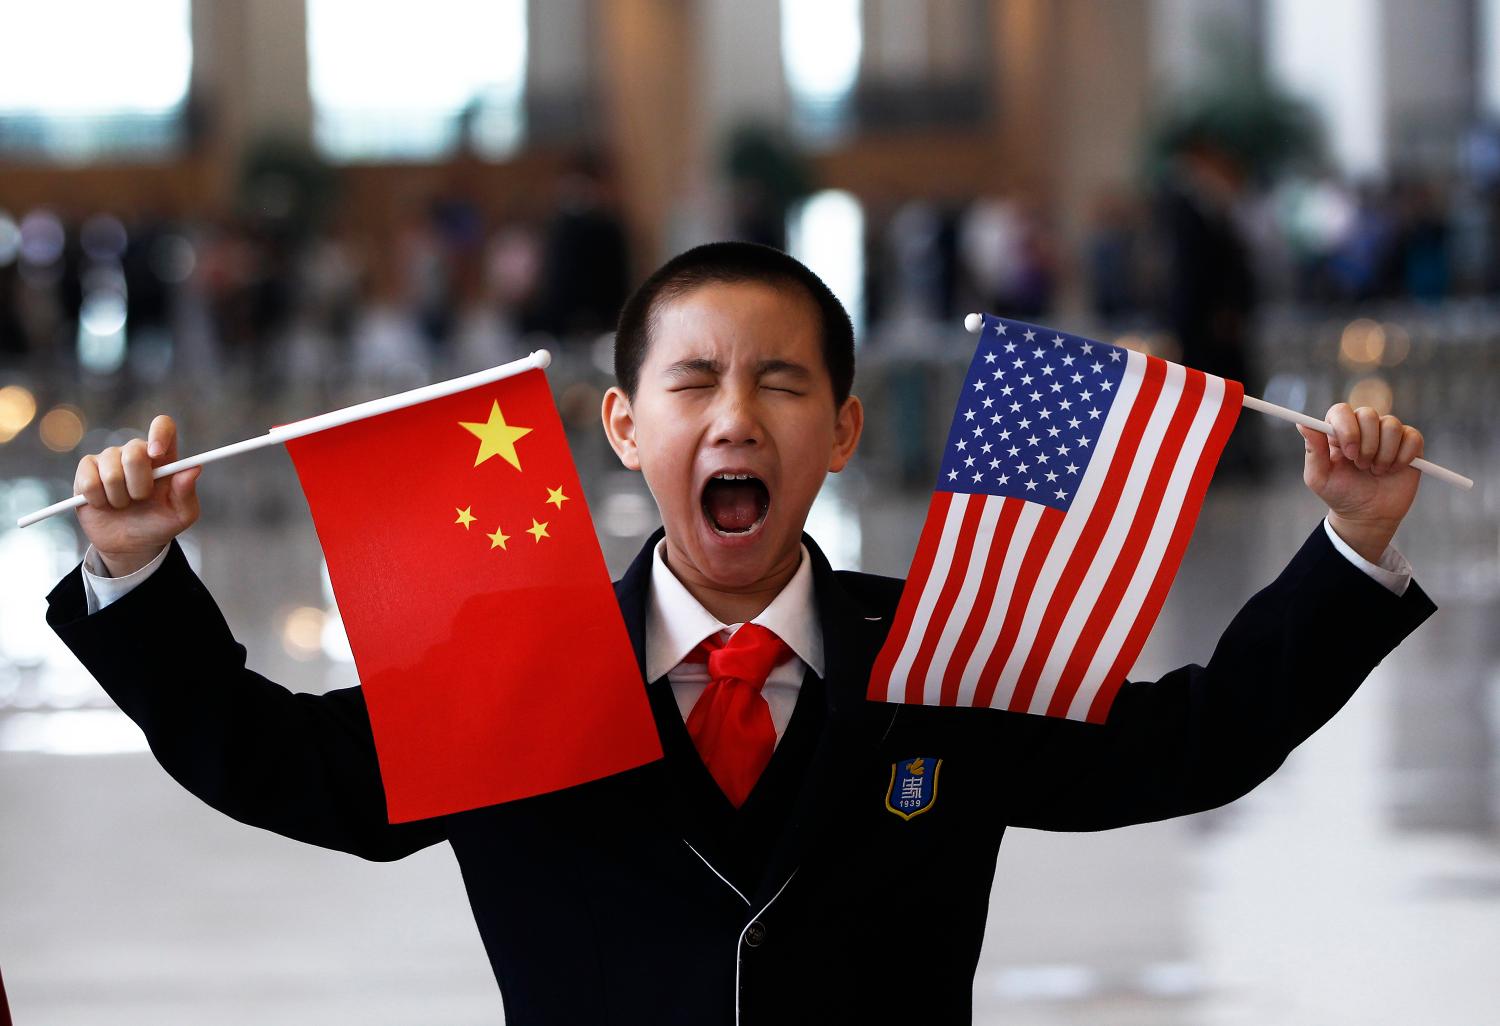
<point x="676" y="622"/>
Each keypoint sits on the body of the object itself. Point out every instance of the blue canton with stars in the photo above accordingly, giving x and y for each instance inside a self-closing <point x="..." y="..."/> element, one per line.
<point x="1034" y="403"/>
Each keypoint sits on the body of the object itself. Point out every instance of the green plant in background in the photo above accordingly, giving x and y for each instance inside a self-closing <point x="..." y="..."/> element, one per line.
<point x="1236" y="110"/>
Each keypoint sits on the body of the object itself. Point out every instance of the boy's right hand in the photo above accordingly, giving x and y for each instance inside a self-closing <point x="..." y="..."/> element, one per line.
<point x="129" y="517"/>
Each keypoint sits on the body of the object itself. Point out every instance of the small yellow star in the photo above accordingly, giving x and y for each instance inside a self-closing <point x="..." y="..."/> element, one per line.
<point x="496" y="438"/>
<point x="499" y="538"/>
<point x="538" y="531"/>
<point x="556" y="497"/>
<point x="465" y="516"/>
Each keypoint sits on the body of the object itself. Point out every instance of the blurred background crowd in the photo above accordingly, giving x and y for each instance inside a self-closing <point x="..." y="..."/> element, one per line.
<point x="247" y="212"/>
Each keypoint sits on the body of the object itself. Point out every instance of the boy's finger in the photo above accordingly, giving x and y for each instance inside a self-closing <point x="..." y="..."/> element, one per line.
<point x="161" y="439"/>
<point x="137" y="467"/>
<point x="1390" y="444"/>
<point x="1316" y="443"/>
<point x="1345" y="429"/>
<point x="1412" y="444"/>
<point x="112" y="473"/>
<point x="86" y="482"/>
<point x="1369" y="435"/>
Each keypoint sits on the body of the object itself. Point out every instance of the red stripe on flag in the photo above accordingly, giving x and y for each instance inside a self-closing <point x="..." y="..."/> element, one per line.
<point x="1086" y="547"/>
<point x="1010" y="512"/>
<point x="957" y="570"/>
<point x="1036" y="553"/>
<point x="1122" y="571"/>
<point x="1192" y="502"/>
<point x="911" y="594"/>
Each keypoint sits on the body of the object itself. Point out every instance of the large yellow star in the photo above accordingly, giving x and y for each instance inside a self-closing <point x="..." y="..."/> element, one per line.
<point x="556" y="497"/>
<point x="496" y="438"/>
<point x="538" y="530"/>
<point x="465" y="516"/>
<point x="499" y="538"/>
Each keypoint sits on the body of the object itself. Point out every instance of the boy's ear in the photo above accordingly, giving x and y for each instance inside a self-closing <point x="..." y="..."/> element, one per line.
<point x="619" y="427"/>
<point x="848" y="426"/>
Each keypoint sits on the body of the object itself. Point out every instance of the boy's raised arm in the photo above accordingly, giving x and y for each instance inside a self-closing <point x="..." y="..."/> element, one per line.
<point x="301" y="765"/>
<point x="1205" y="735"/>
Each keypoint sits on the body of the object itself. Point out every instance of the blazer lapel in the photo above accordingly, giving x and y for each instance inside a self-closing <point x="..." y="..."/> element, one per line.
<point x="850" y="644"/>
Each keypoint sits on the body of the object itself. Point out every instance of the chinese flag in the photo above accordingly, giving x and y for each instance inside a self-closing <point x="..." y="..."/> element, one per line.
<point x="490" y="648"/>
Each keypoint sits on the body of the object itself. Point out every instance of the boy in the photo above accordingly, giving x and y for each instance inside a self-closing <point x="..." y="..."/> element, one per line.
<point x="758" y="873"/>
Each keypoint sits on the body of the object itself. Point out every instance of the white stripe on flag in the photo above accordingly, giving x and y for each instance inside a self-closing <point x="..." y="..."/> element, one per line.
<point x="931" y="589"/>
<point x="984" y="537"/>
<point x="1067" y="535"/>
<point x="1101" y="561"/>
<point x="1015" y="551"/>
<point x="1126" y="613"/>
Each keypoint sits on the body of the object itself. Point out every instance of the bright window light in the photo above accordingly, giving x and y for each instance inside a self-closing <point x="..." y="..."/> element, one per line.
<point x="826" y="232"/>
<point x="393" y="80"/>
<point x="83" y="77"/>
<point x="94" y="56"/>
<point x="821" y="42"/>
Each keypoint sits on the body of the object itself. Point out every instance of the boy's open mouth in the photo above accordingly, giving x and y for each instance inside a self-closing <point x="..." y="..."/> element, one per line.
<point x="735" y="503"/>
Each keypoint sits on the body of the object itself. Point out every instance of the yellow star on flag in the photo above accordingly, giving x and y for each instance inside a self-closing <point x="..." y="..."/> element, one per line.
<point x="496" y="438"/>
<point x="499" y="538"/>
<point x="538" y="530"/>
<point x="465" y="516"/>
<point x="556" y="497"/>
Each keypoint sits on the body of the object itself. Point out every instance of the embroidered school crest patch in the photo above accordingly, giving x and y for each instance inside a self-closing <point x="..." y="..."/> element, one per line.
<point x="913" y="786"/>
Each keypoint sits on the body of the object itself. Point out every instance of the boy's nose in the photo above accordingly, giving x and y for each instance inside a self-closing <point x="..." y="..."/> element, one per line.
<point x="735" y="423"/>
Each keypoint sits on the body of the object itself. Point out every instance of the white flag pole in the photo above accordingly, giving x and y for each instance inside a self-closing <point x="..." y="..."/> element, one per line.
<point x="974" y="324"/>
<point x="537" y="360"/>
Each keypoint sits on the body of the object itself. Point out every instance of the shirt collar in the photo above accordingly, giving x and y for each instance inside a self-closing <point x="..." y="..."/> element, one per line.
<point x="676" y="622"/>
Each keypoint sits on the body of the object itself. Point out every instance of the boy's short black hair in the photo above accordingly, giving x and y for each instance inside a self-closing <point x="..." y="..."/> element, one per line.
<point x="728" y="263"/>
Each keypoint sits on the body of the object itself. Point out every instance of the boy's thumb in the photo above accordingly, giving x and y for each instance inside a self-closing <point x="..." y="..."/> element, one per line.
<point x="184" y="482"/>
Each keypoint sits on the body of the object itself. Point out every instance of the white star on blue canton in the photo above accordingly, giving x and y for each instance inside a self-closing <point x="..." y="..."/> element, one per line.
<point x="1030" y="335"/>
<point x="989" y="357"/>
<point x="968" y="415"/>
<point x="952" y="475"/>
<point x="979" y="386"/>
<point x="999" y="328"/>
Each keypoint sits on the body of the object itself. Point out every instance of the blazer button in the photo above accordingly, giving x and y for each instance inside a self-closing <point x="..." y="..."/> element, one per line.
<point x="755" y="934"/>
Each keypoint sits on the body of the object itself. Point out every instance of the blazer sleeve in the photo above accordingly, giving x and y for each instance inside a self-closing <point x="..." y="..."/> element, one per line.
<point x="1202" y="736"/>
<point x="301" y="765"/>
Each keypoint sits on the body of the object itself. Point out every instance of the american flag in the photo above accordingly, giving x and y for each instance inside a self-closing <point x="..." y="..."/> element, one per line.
<point x="1070" y="482"/>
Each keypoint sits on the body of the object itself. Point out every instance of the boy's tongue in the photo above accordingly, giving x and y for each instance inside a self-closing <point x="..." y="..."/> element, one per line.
<point x="733" y="505"/>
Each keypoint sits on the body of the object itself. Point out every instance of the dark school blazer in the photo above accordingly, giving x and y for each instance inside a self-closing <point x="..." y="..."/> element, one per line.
<point x="616" y="901"/>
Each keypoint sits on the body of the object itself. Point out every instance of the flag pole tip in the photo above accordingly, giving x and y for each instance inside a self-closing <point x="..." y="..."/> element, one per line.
<point x="974" y="323"/>
<point x="543" y="358"/>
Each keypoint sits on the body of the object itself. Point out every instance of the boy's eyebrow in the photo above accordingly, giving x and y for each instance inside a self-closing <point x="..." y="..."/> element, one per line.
<point x="781" y="367"/>
<point x="693" y="365"/>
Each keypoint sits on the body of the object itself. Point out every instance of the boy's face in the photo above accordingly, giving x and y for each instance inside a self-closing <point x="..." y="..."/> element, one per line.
<point x="734" y="383"/>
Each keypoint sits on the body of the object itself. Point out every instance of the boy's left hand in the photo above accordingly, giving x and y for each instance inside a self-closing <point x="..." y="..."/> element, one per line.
<point x="1363" y="472"/>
